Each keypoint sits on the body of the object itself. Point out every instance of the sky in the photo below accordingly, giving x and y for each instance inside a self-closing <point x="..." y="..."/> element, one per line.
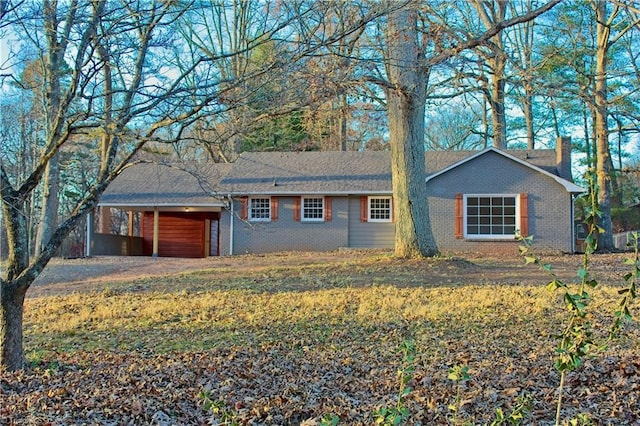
<point x="4" y="56"/>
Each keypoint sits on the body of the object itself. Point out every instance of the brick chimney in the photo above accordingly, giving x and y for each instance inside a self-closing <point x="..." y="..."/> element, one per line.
<point x="563" y="157"/>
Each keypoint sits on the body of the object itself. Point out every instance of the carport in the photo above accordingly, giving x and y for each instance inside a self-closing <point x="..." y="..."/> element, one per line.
<point x="177" y="212"/>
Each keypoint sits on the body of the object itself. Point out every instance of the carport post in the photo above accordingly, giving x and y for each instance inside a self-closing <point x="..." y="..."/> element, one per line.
<point x="156" y="228"/>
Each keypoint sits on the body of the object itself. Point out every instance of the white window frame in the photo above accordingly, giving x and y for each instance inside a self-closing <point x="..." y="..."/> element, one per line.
<point x="490" y="236"/>
<point x="250" y="209"/>
<point x="303" y="208"/>
<point x="369" y="209"/>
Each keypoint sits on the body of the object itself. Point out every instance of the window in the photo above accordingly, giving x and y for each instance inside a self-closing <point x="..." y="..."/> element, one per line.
<point x="313" y="208"/>
<point x="491" y="216"/>
<point x="260" y="209"/>
<point x="380" y="209"/>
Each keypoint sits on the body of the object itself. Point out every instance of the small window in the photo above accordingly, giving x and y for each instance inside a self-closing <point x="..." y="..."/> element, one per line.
<point x="260" y="209"/>
<point x="313" y="209"/>
<point x="380" y="209"/>
<point x="491" y="216"/>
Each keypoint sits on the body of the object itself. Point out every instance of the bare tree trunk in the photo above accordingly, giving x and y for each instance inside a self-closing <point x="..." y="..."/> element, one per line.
<point x="405" y="104"/>
<point x="11" y="315"/>
<point x="528" y="118"/>
<point x="529" y="90"/>
<point x="11" y="295"/>
<point x="492" y="13"/>
<point x="587" y="139"/>
<point x="485" y="125"/>
<point x="50" y="202"/>
<point x="15" y="223"/>
<point x="343" y="122"/>
<point x="603" y="155"/>
<point x="498" y="118"/>
<point x="523" y="40"/>
<point x="51" y="180"/>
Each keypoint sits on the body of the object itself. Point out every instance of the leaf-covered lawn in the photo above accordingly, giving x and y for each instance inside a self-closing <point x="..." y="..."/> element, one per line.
<point x="291" y="343"/>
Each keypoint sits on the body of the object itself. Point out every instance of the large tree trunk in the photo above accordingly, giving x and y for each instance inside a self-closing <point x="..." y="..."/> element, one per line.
<point x="12" y="300"/>
<point x="603" y="157"/>
<point x="11" y="293"/>
<point x="405" y="105"/>
<point x="20" y="273"/>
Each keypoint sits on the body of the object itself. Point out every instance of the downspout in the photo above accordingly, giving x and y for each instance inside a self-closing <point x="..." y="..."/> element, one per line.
<point x="573" y="223"/>
<point x="87" y="249"/>
<point x="231" y="225"/>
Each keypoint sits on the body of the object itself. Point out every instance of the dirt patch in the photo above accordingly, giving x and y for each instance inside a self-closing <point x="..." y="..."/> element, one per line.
<point x="64" y="276"/>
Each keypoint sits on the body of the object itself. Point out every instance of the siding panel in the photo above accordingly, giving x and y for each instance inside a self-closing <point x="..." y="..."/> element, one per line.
<point x="363" y="234"/>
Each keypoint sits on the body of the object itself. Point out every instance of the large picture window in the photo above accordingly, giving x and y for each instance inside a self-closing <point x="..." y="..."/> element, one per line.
<point x="260" y="209"/>
<point x="491" y="216"/>
<point x="313" y="209"/>
<point x="380" y="209"/>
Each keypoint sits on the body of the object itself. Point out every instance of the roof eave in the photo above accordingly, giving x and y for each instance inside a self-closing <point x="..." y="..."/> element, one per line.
<point x="170" y="208"/>
<point x="297" y="193"/>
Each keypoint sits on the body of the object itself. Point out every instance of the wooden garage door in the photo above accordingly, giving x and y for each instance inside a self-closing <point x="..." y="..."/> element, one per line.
<point x="180" y="235"/>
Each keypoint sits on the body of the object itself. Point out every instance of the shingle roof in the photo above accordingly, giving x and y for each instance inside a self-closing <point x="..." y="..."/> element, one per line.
<point x="310" y="172"/>
<point x="325" y="172"/>
<point x="542" y="158"/>
<point x="350" y="172"/>
<point x="153" y="184"/>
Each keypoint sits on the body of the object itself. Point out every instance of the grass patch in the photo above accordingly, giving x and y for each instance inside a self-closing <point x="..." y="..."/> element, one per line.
<point x="302" y="341"/>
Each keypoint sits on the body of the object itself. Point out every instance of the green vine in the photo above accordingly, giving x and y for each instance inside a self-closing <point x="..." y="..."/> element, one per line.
<point x="398" y="414"/>
<point x="629" y="293"/>
<point x="576" y="341"/>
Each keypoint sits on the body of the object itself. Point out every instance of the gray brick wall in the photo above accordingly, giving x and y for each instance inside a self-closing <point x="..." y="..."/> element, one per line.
<point x="550" y="215"/>
<point x="285" y="234"/>
<point x="549" y="211"/>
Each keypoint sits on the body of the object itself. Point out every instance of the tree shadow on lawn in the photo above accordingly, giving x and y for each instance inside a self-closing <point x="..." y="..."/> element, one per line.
<point x="278" y="272"/>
